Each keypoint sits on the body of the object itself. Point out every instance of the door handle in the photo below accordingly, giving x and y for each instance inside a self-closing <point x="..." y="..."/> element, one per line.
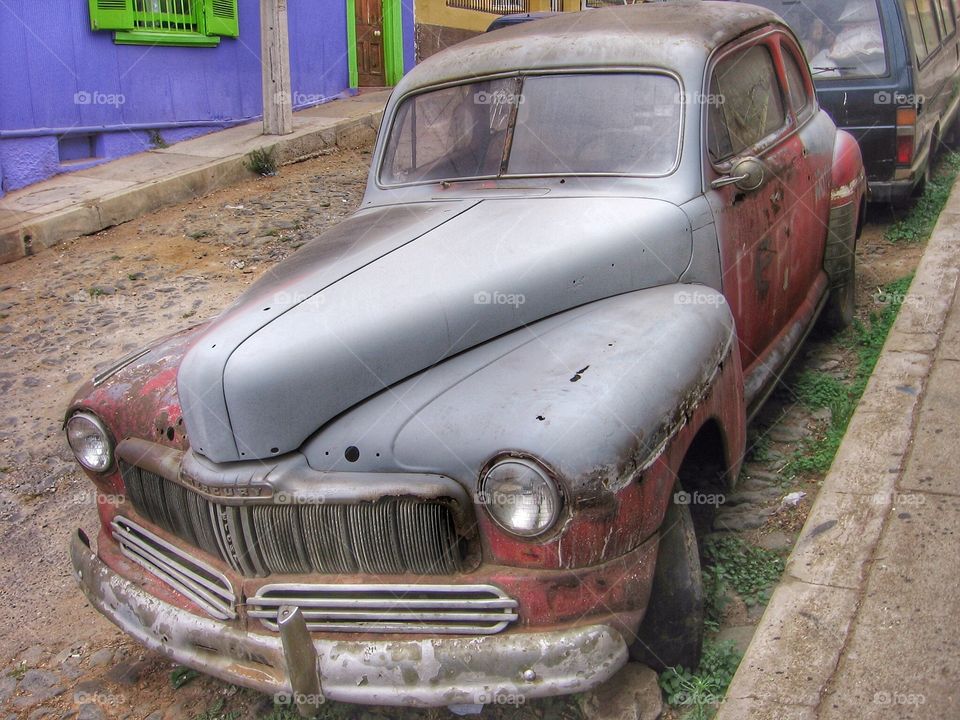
<point x="376" y="33"/>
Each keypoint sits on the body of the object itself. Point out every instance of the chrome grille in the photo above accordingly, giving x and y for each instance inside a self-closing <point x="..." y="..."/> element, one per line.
<point x="193" y="578"/>
<point x="446" y="609"/>
<point x="393" y="535"/>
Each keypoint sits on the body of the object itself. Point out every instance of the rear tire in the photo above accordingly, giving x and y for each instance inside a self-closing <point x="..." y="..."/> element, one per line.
<point x="671" y="633"/>
<point x="841" y="305"/>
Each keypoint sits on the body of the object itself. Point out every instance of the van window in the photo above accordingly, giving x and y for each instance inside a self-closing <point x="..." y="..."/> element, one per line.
<point x="840" y="39"/>
<point x="921" y="45"/>
<point x="948" y="21"/>
<point x="928" y="20"/>
<point x="751" y="106"/>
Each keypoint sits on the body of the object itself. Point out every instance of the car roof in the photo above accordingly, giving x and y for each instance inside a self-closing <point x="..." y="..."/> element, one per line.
<point x="517" y="18"/>
<point x="678" y="35"/>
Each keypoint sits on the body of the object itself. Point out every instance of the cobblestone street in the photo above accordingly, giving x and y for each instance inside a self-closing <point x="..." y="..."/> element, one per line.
<point x="77" y="307"/>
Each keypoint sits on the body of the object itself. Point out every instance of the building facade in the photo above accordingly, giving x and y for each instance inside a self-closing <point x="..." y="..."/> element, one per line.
<point x="85" y="82"/>
<point x="441" y="23"/>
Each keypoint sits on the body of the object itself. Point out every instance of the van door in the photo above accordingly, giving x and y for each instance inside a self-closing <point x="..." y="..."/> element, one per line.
<point x="937" y="62"/>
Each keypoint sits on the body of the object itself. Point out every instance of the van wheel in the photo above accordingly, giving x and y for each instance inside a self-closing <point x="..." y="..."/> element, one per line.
<point x="671" y="633"/>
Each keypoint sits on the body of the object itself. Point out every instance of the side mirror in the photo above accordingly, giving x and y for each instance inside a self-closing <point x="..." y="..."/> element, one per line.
<point x="747" y="174"/>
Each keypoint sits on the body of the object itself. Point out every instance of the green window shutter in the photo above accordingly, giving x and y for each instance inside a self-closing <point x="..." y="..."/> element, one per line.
<point x="221" y="17"/>
<point x="111" y="14"/>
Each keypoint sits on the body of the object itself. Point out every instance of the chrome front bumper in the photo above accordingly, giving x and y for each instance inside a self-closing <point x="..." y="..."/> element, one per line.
<point x="426" y="672"/>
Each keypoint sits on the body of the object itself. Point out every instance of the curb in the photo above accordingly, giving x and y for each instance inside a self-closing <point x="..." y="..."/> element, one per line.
<point x="798" y="643"/>
<point x="29" y="234"/>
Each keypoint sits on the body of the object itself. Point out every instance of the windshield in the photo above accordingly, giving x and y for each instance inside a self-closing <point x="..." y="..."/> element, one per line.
<point x="609" y="123"/>
<point x="841" y="39"/>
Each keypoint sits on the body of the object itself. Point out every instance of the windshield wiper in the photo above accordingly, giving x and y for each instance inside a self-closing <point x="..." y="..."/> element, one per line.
<point x="816" y="70"/>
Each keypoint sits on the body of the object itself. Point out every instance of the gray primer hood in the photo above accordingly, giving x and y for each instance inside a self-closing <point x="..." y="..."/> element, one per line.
<point x="409" y="287"/>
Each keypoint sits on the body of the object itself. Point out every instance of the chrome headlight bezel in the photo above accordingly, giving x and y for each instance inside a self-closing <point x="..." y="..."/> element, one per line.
<point x="498" y="499"/>
<point x="87" y="426"/>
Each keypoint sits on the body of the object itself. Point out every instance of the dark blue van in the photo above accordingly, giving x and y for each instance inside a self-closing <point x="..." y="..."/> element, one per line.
<point x="887" y="71"/>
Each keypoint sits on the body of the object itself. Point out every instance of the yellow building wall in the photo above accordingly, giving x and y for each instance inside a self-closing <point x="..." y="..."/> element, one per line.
<point x="436" y="12"/>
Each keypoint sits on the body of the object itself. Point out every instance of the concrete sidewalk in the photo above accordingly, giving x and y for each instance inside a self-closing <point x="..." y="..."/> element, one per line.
<point x="866" y="621"/>
<point x="87" y="201"/>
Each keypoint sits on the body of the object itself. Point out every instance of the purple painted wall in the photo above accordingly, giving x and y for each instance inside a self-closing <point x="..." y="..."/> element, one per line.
<point x="58" y="75"/>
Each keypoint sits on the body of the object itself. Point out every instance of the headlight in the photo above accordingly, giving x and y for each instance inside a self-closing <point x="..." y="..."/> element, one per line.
<point x="521" y="497"/>
<point x="90" y="441"/>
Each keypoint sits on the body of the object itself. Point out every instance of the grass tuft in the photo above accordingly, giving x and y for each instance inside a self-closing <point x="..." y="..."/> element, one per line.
<point x="920" y="221"/>
<point x="262" y="161"/>
<point x="748" y="570"/>
<point x="702" y="691"/>
<point x="819" y="390"/>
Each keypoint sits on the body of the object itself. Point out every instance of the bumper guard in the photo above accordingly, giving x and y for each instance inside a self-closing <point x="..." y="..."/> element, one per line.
<point x="471" y="670"/>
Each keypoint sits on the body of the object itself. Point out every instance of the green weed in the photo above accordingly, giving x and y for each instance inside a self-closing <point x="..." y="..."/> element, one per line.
<point x="748" y="570"/>
<point x="703" y="690"/>
<point x="180" y="676"/>
<point x="262" y="161"/>
<point x="216" y="712"/>
<point x="819" y="390"/>
<point x="920" y="221"/>
<point x="156" y="139"/>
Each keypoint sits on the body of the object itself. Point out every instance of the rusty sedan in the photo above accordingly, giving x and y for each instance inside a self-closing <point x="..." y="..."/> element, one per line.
<point x="458" y="448"/>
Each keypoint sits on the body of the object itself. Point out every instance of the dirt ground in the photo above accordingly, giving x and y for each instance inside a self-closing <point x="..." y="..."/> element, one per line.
<point x="69" y="310"/>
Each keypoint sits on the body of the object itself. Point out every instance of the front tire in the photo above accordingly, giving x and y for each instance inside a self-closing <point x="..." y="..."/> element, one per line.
<point x="671" y="633"/>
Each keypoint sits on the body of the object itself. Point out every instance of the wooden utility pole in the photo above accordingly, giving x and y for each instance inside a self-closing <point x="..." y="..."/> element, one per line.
<point x="275" y="61"/>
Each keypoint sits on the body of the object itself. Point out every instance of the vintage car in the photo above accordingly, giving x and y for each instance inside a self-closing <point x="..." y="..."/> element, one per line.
<point x="455" y="450"/>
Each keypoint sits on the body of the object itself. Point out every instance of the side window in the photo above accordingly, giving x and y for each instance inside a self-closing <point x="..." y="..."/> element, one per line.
<point x="750" y="105"/>
<point x="916" y="31"/>
<point x="928" y="19"/>
<point x="948" y="21"/>
<point x="797" y="87"/>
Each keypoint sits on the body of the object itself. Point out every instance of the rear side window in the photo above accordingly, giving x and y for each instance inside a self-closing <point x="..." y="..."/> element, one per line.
<point x="750" y="106"/>
<point x="916" y="31"/>
<point x="948" y="23"/>
<point x="798" y="88"/>
<point x="928" y="20"/>
<point x="923" y="27"/>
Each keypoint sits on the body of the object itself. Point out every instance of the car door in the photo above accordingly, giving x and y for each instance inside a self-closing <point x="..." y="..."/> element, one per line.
<point x="809" y="142"/>
<point x="747" y="121"/>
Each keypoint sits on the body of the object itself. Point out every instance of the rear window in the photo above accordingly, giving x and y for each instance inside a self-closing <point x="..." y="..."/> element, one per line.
<point x="841" y="39"/>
